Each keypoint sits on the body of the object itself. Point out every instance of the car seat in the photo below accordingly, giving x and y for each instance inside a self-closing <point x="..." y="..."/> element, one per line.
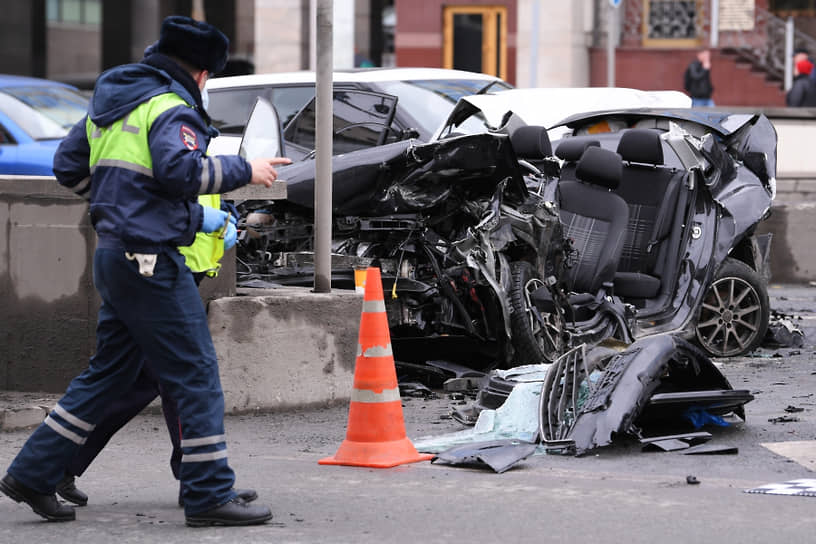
<point x="651" y="192"/>
<point x="594" y="219"/>
<point x="570" y="150"/>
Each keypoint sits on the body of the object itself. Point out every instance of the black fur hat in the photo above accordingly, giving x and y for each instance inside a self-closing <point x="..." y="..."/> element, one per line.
<point x="198" y="43"/>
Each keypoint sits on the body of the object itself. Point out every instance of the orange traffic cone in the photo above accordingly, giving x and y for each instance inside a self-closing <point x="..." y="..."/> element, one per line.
<point x="375" y="436"/>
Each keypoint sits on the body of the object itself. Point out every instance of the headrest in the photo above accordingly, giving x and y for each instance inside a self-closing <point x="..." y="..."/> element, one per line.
<point x="600" y="166"/>
<point x="195" y="42"/>
<point x="531" y="142"/>
<point x="641" y="145"/>
<point x="571" y="149"/>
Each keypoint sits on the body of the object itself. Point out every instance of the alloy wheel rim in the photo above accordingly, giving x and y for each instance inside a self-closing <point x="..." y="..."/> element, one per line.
<point x="730" y="317"/>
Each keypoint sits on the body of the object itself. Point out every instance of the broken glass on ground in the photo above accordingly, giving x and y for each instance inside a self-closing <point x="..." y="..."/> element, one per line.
<point x="516" y="419"/>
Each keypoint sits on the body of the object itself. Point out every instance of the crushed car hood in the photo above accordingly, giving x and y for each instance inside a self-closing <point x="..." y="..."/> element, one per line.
<point x="408" y="176"/>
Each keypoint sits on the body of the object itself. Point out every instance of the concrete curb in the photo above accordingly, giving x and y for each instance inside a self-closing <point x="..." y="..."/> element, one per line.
<point x="24" y="410"/>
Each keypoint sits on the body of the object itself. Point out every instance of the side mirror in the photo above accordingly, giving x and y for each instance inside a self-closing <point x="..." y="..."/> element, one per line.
<point x="262" y="136"/>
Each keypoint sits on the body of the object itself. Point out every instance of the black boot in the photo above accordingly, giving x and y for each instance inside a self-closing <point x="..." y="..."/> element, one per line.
<point x="46" y="506"/>
<point x="235" y="512"/>
<point x="67" y="489"/>
<point x="246" y="495"/>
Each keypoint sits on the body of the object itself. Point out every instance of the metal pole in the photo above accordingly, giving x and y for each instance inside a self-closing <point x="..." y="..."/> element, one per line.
<point x="610" y="45"/>
<point x="789" y="53"/>
<point x="323" y="147"/>
<point x="534" y="46"/>
<point x="715" y="23"/>
<point x="313" y="35"/>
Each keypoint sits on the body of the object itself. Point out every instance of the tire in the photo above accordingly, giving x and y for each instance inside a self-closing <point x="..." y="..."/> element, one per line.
<point x="535" y="341"/>
<point x="734" y="315"/>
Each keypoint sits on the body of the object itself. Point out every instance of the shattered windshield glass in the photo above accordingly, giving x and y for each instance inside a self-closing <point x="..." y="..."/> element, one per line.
<point x="430" y="101"/>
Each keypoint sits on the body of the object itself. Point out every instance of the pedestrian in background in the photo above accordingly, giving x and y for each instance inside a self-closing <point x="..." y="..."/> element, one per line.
<point x="140" y="155"/>
<point x="802" y="93"/>
<point x="697" y="80"/>
<point x="800" y="53"/>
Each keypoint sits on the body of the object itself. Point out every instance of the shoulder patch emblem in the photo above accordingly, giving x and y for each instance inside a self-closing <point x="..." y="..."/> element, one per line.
<point x="188" y="137"/>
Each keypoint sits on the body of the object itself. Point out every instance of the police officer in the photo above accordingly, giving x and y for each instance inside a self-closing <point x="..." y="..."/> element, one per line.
<point x="203" y="258"/>
<point x="140" y="156"/>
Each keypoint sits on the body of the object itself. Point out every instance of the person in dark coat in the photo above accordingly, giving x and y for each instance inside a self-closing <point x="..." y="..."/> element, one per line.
<point x="802" y="93"/>
<point x="140" y="157"/>
<point x="697" y="80"/>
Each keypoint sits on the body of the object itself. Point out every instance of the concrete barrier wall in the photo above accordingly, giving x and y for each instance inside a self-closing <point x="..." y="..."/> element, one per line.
<point x="48" y="317"/>
<point x="48" y="305"/>
<point x="284" y="348"/>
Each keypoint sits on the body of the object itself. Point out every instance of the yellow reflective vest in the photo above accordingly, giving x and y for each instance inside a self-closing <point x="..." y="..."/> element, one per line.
<point x="204" y="254"/>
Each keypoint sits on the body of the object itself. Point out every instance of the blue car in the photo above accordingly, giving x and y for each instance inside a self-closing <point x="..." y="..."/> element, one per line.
<point x="35" y="114"/>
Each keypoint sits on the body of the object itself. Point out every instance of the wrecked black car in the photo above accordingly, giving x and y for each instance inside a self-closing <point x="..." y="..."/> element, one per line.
<point x="500" y="248"/>
<point x="453" y="226"/>
<point x="696" y="185"/>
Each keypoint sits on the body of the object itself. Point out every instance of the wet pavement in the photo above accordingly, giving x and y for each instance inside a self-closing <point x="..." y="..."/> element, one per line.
<point x="617" y="494"/>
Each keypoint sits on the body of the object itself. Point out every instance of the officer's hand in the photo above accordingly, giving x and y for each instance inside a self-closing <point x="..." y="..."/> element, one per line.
<point x="213" y="219"/>
<point x="230" y="236"/>
<point x="263" y="170"/>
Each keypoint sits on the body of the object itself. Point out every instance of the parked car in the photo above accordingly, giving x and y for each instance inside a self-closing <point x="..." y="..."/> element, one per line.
<point x="501" y="251"/>
<point x="426" y="96"/>
<point x="35" y="114"/>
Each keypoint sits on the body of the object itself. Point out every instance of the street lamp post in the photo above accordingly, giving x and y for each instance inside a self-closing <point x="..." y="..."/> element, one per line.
<point x="610" y="41"/>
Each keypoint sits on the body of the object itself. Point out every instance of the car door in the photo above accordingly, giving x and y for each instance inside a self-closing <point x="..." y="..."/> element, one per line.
<point x="361" y="119"/>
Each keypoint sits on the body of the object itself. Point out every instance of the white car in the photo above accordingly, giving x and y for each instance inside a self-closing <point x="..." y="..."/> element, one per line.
<point x="425" y="98"/>
<point x="545" y="107"/>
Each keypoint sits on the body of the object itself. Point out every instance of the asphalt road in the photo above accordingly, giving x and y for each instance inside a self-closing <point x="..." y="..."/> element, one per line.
<point x="618" y="495"/>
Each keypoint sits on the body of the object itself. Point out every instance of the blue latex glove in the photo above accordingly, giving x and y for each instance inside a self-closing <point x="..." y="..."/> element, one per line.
<point x="230" y="236"/>
<point x="213" y="219"/>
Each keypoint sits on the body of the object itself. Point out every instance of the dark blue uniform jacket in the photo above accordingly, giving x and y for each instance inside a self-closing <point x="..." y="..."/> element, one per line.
<point x="143" y="210"/>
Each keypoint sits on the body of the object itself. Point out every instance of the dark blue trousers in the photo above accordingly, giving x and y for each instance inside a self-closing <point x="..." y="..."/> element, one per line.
<point x="143" y="391"/>
<point x="161" y="319"/>
<point x="124" y="408"/>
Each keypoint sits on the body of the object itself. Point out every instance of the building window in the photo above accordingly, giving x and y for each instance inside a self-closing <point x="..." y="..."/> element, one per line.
<point x="793" y="7"/>
<point x="81" y="12"/>
<point x="672" y="23"/>
<point x="475" y="39"/>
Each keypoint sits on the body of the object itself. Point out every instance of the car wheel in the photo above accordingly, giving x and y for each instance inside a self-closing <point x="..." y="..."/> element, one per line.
<point x="537" y="336"/>
<point x="734" y="315"/>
